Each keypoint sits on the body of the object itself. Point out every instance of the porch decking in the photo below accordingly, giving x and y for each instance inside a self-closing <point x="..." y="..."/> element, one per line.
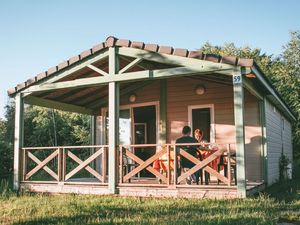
<point x="142" y="190"/>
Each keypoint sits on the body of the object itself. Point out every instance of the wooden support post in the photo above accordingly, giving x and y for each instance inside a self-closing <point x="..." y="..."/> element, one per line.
<point x="104" y="164"/>
<point x="121" y="164"/>
<point x="238" y="93"/>
<point x="113" y="113"/>
<point x="228" y="165"/>
<point x="168" y="165"/>
<point x="264" y="140"/>
<point x="18" y="139"/>
<point x="25" y="160"/>
<point x="92" y="137"/>
<point x="64" y="165"/>
<point x="175" y="166"/>
<point x="163" y="112"/>
<point x="60" y="165"/>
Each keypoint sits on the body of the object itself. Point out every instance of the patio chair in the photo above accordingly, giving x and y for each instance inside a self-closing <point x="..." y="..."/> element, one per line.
<point x="223" y="163"/>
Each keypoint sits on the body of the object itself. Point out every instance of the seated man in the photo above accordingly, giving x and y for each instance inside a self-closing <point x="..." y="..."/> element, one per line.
<point x="185" y="163"/>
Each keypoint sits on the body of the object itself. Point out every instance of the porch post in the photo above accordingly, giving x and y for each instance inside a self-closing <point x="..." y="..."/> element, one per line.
<point x="18" y="139"/>
<point x="264" y="139"/>
<point x="93" y="129"/>
<point x="113" y="113"/>
<point x="238" y="93"/>
<point x="92" y="138"/>
<point x="163" y="112"/>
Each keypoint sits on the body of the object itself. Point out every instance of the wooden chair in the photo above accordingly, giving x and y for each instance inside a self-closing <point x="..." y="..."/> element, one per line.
<point x="224" y="164"/>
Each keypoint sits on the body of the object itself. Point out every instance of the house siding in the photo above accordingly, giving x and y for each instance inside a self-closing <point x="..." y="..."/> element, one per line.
<point x="278" y="140"/>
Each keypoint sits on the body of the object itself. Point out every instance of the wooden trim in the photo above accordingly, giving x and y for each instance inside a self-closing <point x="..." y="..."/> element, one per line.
<point x="18" y="139"/>
<point x="60" y="165"/>
<point x="65" y="147"/>
<point x="32" y="100"/>
<point x="131" y="76"/>
<point x="195" y="64"/>
<point x="212" y="118"/>
<point x="130" y="107"/>
<point x="113" y="112"/>
<point x="121" y="165"/>
<point x="125" y="91"/>
<point x="202" y="164"/>
<point x="263" y="106"/>
<point x="163" y="112"/>
<point x="64" y="73"/>
<point x="84" y="164"/>
<point x="144" y="165"/>
<point x="228" y="165"/>
<point x="130" y="65"/>
<point x="249" y="86"/>
<point x="97" y="70"/>
<point x="238" y="93"/>
<point x="42" y="164"/>
<point x="25" y="164"/>
<point x="169" y="165"/>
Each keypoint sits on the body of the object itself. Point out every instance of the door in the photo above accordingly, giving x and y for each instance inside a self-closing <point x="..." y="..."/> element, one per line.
<point x="201" y="117"/>
<point x="145" y="128"/>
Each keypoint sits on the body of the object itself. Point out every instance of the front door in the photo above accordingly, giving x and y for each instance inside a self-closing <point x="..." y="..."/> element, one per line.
<point x="145" y="128"/>
<point x="202" y="117"/>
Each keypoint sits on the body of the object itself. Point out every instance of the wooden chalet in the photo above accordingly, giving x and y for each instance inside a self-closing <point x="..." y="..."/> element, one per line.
<point x="139" y="97"/>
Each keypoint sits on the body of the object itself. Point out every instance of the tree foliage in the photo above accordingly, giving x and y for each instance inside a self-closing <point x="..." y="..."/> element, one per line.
<point x="283" y="71"/>
<point x="48" y="127"/>
<point x="42" y="127"/>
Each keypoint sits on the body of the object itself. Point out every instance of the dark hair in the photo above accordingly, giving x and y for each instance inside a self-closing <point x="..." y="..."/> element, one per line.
<point x="186" y="130"/>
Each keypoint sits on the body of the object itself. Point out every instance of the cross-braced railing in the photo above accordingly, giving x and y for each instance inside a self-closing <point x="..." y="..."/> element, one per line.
<point x="138" y="163"/>
<point x="63" y="164"/>
<point x="166" y="166"/>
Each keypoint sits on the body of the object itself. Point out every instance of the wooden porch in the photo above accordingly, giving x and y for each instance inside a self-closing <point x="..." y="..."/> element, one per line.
<point x="84" y="170"/>
<point x="100" y="82"/>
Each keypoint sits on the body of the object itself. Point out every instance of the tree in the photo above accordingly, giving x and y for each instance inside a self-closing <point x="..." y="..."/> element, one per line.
<point x="291" y="58"/>
<point x="283" y="71"/>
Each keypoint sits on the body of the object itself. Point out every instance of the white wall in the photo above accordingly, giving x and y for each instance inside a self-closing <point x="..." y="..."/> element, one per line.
<point x="279" y="138"/>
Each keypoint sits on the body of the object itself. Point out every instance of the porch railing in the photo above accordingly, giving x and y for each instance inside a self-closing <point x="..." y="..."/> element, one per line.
<point x="168" y="156"/>
<point x="63" y="164"/>
<point x="88" y="164"/>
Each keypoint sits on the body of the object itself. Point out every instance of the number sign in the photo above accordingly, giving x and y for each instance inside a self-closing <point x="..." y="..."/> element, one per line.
<point x="237" y="79"/>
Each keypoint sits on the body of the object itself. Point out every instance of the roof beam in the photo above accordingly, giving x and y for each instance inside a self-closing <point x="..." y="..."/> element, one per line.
<point x="97" y="70"/>
<point x="132" y="76"/>
<point x="178" y="60"/>
<point x="32" y="100"/>
<point x="249" y="86"/>
<point x="125" y="91"/>
<point x="130" y="65"/>
<point x="60" y="75"/>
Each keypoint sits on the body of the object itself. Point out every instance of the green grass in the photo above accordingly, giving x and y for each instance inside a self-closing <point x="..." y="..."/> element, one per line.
<point x="280" y="203"/>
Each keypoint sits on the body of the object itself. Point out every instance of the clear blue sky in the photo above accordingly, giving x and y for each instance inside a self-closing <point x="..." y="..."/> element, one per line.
<point x="35" y="34"/>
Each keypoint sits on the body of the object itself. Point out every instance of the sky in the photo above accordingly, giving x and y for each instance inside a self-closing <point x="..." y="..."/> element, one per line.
<point x="36" y="35"/>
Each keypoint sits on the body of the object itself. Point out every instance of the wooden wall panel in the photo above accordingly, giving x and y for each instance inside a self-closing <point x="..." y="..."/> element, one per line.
<point x="253" y="138"/>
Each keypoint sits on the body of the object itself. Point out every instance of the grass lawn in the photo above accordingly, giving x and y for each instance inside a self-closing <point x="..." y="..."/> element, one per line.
<point x="280" y="203"/>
